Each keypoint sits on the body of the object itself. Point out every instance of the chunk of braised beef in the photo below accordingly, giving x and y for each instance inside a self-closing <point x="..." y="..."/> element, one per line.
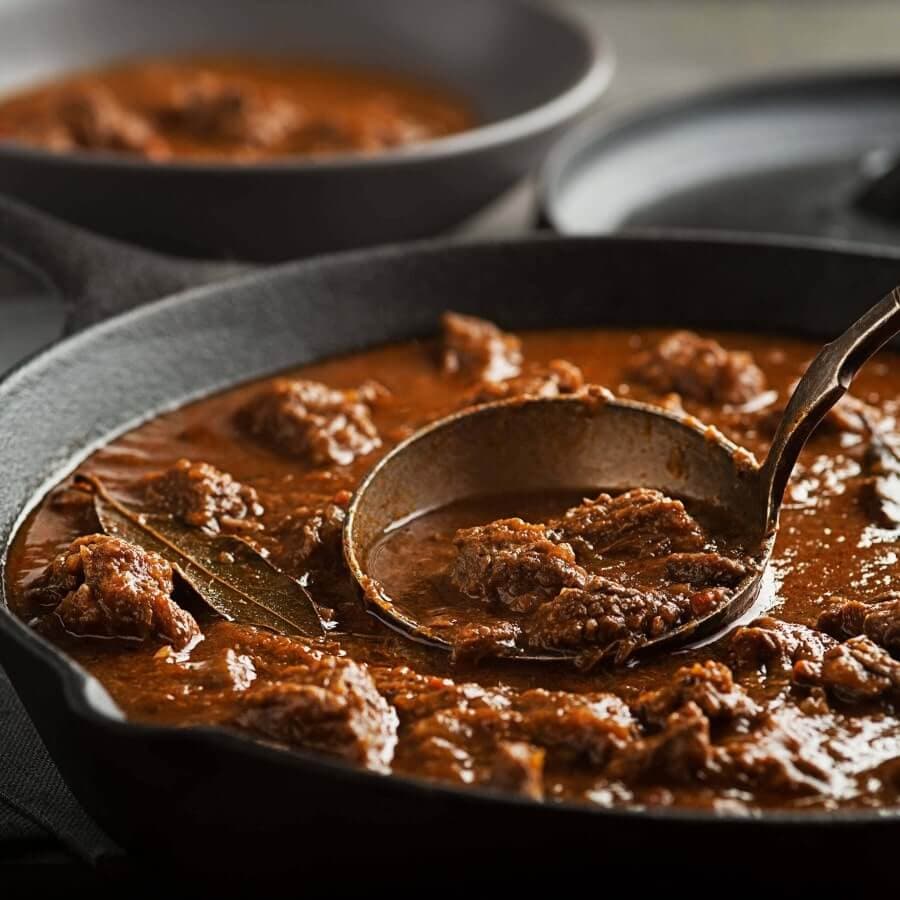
<point x="770" y="643"/>
<point x="312" y="539"/>
<point x="882" y="624"/>
<point x="454" y="730"/>
<point x="473" y="643"/>
<point x="705" y="569"/>
<point x="513" y="563"/>
<point x="92" y="118"/>
<point x="878" y="619"/>
<point x="558" y="378"/>
<point x="416" y="696"/>
<point x="574" y="728"/>
<point x="776" y="756"/>
<point x="699" y="369"/>
<point x="518" y="767"/>
<point x="709" y="685"/>
<point x="880" y="497"/>
<point x="202" y="495"/>
<point x="328" y="704"/>
<point x="479" y="348"/>
<point x="880" y="490"/>
<point x="309" y="420"/>
<point x="210" y="107"/>
<point x="855" y="671"/>
<point x="844" y="618"/>
<point x="102" y="586"/>
<point x="463" y="742"/>
<point x="679" y="752"/>
<point x="608" y="617"/>
<point x="640" y="522"/>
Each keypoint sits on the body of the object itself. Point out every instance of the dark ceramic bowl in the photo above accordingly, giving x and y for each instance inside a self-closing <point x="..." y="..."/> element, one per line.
<point x="527" y="69"/>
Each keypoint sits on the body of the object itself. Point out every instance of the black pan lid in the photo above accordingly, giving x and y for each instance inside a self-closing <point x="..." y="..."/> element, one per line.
<point x="806" y="155"/>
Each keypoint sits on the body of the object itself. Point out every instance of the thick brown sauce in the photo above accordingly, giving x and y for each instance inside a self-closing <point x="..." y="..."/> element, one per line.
<point x="827" y="545"/>
<point x="231" y="108"/>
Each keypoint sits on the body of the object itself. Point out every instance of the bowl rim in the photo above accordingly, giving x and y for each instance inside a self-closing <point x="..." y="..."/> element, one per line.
<point x="572" y="102"/>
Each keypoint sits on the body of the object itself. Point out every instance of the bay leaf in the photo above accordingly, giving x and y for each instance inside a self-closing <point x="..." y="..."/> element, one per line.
<point x="224" y="571"/>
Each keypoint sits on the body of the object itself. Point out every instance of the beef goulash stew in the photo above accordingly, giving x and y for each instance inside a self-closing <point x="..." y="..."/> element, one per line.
<point x="194" y="566"/>
<point x="231" y="109"/>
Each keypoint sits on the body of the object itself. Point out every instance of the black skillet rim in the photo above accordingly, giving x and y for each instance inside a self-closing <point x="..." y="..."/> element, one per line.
<point x="599" y="128"/>
<point x="85" y="695"/>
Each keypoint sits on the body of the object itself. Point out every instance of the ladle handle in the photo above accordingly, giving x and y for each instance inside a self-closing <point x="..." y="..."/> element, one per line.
<point x="824" y="383"/>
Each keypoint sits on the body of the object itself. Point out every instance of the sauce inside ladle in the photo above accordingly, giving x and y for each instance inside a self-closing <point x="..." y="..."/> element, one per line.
<point x="647" y="459"/>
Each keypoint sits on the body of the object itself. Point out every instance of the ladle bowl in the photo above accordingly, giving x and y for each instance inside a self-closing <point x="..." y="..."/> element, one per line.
<point x="560" y="444"/>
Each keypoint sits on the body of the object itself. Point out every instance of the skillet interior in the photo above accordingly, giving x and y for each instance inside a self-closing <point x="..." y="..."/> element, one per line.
<point x="163" y="788"/>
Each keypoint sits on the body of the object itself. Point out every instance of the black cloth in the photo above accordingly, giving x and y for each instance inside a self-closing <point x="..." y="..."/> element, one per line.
<point x="37" y="809"/>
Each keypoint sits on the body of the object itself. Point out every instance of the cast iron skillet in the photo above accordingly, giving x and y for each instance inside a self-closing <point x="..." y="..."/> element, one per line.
<point x="205" y="799"/>
<point x="484" y="49"/>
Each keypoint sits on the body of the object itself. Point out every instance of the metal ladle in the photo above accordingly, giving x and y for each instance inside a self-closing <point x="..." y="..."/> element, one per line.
<point x="572" y="442"/>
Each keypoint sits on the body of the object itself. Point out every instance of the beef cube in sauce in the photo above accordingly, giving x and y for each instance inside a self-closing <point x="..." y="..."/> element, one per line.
<point x="102" y="586"/>
<point x="639" y="522"/>
<point x="878" y="619"/>
<point x="311" y="540"/>
<point x="91" y="118"/>
<point x="518" y="767"/>
<point x="475" y="642"/>
<point x="856" y="671"/>
<point x="678" y="753"/>
<point x="705" y="569"/>
<point x="309" y="420"/>
<point x="557" y="379"/>
<point x="709" y="685"/>
<point x="203" y="496"/>
<point x="327" y="704"/>
<point x="478" y="348"/>
<point x="587" y="729"/>
<point x="209" y="107"/>
<point x="699" y="369"/>
<point x="514" y="564"/>
<point x="769" y="643"/>
<point x="605" y="616"/>
<point x="462" y="731"/>
<point x="560" y="596"/>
